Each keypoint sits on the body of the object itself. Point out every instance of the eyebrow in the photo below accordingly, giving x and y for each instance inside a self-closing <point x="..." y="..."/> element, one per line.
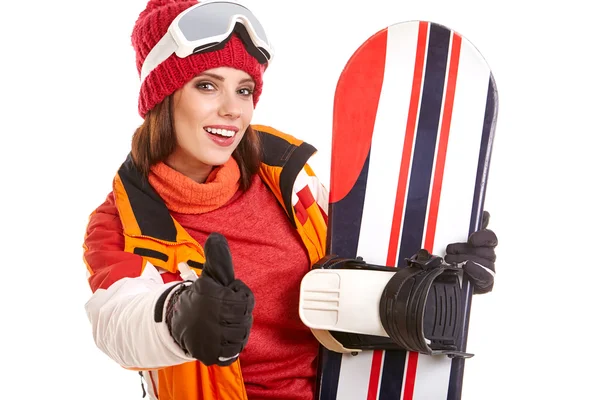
<point x="220" y="78"/>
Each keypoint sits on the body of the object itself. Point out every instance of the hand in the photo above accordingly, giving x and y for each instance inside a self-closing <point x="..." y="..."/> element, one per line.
<point x="211" y="319"/>
<point x="479" y="257"/>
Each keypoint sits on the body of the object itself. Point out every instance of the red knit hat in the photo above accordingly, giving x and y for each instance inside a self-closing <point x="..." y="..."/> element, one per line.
<point x="175" y="72"/>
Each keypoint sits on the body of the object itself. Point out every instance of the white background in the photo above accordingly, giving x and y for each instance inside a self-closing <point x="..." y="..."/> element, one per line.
<point x="68" y="88"/>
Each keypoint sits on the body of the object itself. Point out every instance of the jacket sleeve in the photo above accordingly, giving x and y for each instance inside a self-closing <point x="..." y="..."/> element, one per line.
<point x="129" y="297"/>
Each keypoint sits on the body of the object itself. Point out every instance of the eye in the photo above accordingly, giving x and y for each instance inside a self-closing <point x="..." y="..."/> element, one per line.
<point x="246" y="92"/>
<point x="205" y="86"/>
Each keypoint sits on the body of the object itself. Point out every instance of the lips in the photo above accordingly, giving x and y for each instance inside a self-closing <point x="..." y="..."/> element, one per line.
<point x="222" y="135"/>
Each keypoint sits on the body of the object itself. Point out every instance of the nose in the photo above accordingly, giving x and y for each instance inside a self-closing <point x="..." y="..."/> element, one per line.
<point x="230" y="107"/>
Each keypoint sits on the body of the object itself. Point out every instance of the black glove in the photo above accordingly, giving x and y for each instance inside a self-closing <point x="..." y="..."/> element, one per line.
<point x="211" y="319"/>
<point x="479" y="255"/>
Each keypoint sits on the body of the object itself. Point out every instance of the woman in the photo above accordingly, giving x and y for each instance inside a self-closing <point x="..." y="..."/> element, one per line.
<point x="198" y="173"/>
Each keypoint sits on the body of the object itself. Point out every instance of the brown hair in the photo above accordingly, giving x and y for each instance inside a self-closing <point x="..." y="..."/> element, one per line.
<point x="155" y="139"/>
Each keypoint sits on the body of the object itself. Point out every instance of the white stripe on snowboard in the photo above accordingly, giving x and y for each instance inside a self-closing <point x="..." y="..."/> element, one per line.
<point x="462" y="156"/>
<point x="354" y="376"/>
<point x="380" y="196"/>
<point x="384" y="164"/>
<point x="431" y="373"/>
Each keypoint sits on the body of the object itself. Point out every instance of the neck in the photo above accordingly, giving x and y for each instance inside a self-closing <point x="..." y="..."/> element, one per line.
<point x="193" y="169"/>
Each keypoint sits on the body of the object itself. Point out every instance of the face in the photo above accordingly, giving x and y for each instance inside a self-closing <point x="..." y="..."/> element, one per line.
<point x="211" y="113"/>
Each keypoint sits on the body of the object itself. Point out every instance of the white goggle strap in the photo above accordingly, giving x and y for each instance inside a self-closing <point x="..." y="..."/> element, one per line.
<point x="159" y="53"/>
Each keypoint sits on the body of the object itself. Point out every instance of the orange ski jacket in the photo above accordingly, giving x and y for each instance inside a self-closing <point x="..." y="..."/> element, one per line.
<point x="150" y="232"/>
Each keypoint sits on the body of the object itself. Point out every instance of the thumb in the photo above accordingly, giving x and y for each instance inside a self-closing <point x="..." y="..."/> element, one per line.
<point x="486" y="220"/>
<point x="218" y="264"/>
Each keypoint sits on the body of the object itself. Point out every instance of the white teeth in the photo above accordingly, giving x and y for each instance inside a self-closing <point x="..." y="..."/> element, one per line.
<point x="221" y="132"/>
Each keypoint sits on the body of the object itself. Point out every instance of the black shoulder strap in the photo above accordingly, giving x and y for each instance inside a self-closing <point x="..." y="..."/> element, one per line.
<point x="149" y="209"/>
<point x="291" y="158"/>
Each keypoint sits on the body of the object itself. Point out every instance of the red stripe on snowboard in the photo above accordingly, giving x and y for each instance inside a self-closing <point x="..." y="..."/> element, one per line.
<point x="408" y="144"/>
<point x="443" y="143"/>
<point x="411" y="374"/>
<point x="354" y="114"/>
<point x="375" y="374"/>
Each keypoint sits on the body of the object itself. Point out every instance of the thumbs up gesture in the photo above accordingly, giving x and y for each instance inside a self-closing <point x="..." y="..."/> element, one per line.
<point x="211" y="319"/>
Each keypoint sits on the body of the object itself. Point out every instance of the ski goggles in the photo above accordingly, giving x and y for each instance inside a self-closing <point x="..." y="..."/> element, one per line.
<point x="204" y="27"/>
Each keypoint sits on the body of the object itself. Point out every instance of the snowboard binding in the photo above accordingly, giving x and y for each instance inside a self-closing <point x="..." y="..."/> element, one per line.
<point x="418" y="306"/>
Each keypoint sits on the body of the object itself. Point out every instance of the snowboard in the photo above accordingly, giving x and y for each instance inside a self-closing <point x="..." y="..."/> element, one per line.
<point x="413" y="124"/>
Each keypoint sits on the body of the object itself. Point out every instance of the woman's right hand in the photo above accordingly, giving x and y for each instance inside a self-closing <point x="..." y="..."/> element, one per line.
<point x="211" y="319"/>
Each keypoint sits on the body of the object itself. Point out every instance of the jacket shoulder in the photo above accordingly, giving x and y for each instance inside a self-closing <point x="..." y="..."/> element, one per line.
<point x="281" y="149"/>
<point x="269" y="133"/>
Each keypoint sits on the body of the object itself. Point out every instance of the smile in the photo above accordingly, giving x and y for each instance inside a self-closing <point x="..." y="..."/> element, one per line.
<point x="220" y="132"/>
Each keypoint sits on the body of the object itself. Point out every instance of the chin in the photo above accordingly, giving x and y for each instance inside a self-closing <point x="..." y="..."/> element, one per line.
<point x="215" y="160"/>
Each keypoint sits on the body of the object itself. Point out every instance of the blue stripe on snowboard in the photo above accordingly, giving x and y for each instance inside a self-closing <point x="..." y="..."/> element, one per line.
<point x="484" y="157"/>
<point x="458" y="364"/>
<point x="345" y="218"/>
<point x="419" y="183"/>
<point x="329" y="376"/>
<point x="425" y="142"/>
<point x="391" y="378"/>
